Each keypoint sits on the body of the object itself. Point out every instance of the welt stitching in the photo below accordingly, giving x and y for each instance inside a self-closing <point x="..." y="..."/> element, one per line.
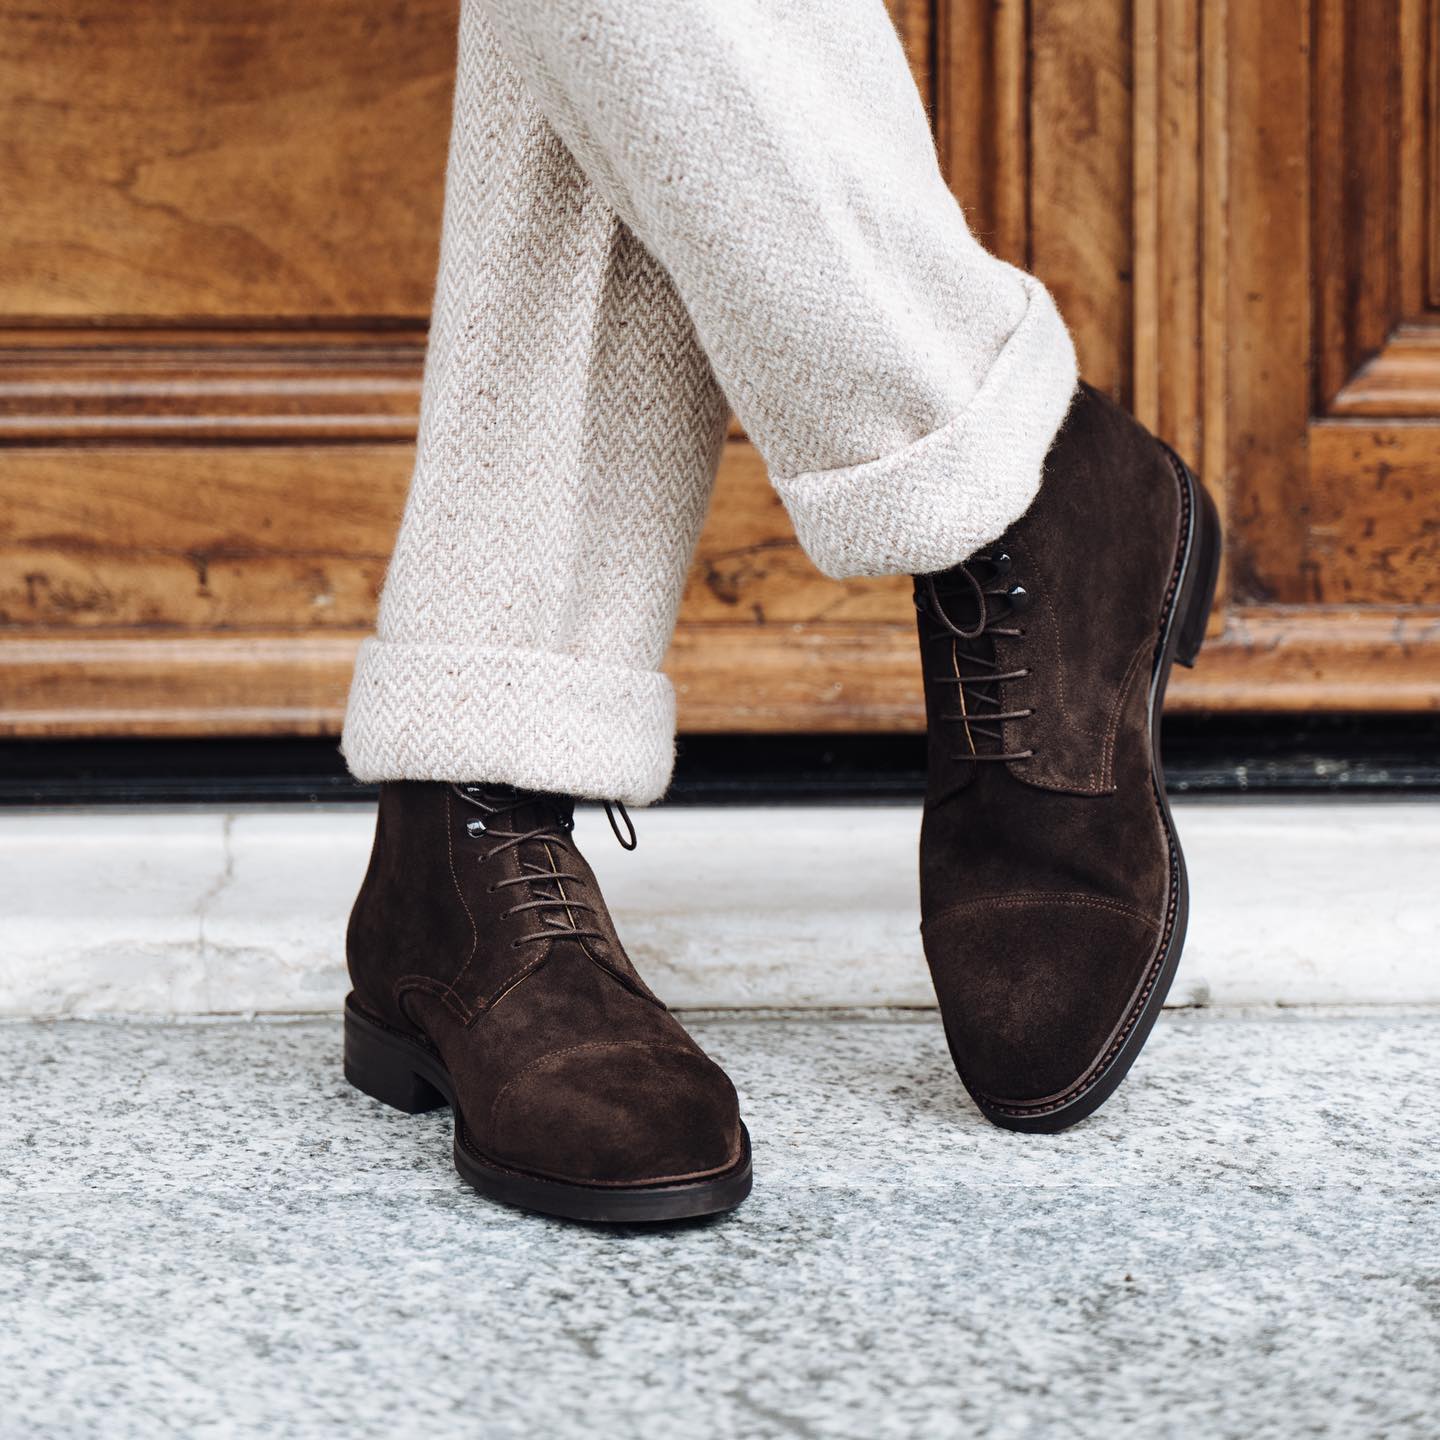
<point x="467" y="1141"/>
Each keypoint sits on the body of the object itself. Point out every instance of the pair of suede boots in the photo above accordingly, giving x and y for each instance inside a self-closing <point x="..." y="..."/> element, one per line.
<point x="488" y="976"/>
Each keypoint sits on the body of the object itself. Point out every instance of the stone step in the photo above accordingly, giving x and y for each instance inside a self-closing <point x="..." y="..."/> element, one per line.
<point x="214" y="1235"/>
<point x="207" y="911"/>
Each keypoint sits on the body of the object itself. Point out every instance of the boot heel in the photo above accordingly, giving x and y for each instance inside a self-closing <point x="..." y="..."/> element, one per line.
<point x="382" y="1066"/>
<point x="1205" y="570"/>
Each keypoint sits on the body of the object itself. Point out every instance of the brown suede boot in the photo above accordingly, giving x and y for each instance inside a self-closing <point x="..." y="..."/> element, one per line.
<point x="488" y="977"/>
<point x="1053" y="889"/>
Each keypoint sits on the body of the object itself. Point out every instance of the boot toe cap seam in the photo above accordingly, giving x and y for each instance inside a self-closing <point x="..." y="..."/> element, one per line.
<point x="1030" y="899"/>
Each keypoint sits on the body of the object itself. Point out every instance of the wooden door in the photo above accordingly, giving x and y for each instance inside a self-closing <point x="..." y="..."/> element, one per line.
<point x="1237" y="203"/>
<point x="218" y="248"/>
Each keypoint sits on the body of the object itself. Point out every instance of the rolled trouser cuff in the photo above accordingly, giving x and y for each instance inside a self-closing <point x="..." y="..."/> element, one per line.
<point x="936" y="502"/>
<point x="530" y="718"/>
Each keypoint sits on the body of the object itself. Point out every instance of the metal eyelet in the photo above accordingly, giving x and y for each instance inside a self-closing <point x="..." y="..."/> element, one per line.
<point x="474" y="827"/>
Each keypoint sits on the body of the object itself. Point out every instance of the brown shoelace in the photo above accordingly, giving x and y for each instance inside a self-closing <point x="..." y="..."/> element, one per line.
<point x="978" y="585"/>
<point x="554" y="910"/>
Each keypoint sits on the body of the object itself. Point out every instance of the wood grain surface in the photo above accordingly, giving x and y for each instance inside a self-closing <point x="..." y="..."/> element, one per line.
<point x="183" y="160"/>
<point x="218" y="253"/>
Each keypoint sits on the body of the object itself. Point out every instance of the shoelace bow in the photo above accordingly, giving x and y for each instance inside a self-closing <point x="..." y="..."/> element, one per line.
<point x="554" y="909"/>
<point x="977" y="687"/>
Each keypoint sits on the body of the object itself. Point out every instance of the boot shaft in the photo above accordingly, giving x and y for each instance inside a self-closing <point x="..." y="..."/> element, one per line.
<point x="469" y="889"/>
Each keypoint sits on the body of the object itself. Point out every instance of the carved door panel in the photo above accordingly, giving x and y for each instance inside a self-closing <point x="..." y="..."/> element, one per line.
<point x="216" y="259"/>
<point x="1236" y="204"/>
<point x="218" y="250"/>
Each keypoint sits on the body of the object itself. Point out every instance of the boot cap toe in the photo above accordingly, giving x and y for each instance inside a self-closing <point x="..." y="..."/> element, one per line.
<point x="1036" y="987"/>
<point x="618" y="1112"/>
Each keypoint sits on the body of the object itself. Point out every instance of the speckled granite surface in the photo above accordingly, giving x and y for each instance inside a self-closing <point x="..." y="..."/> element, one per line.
<point x="204" y="1232"/>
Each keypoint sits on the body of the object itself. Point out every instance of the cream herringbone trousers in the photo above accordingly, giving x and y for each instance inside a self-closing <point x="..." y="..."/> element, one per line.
<point x="654" y="207"/>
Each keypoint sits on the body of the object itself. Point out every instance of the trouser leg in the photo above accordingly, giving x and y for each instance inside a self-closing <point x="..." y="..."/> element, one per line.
<point x="902" y="384"/>
<point x="570" y="427"/>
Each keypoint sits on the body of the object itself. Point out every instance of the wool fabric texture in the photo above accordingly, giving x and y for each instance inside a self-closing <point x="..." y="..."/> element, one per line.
<point x="657" y="210"/>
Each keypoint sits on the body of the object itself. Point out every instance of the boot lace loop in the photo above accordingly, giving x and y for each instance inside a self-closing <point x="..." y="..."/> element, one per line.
<point x="555" y="911"/>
